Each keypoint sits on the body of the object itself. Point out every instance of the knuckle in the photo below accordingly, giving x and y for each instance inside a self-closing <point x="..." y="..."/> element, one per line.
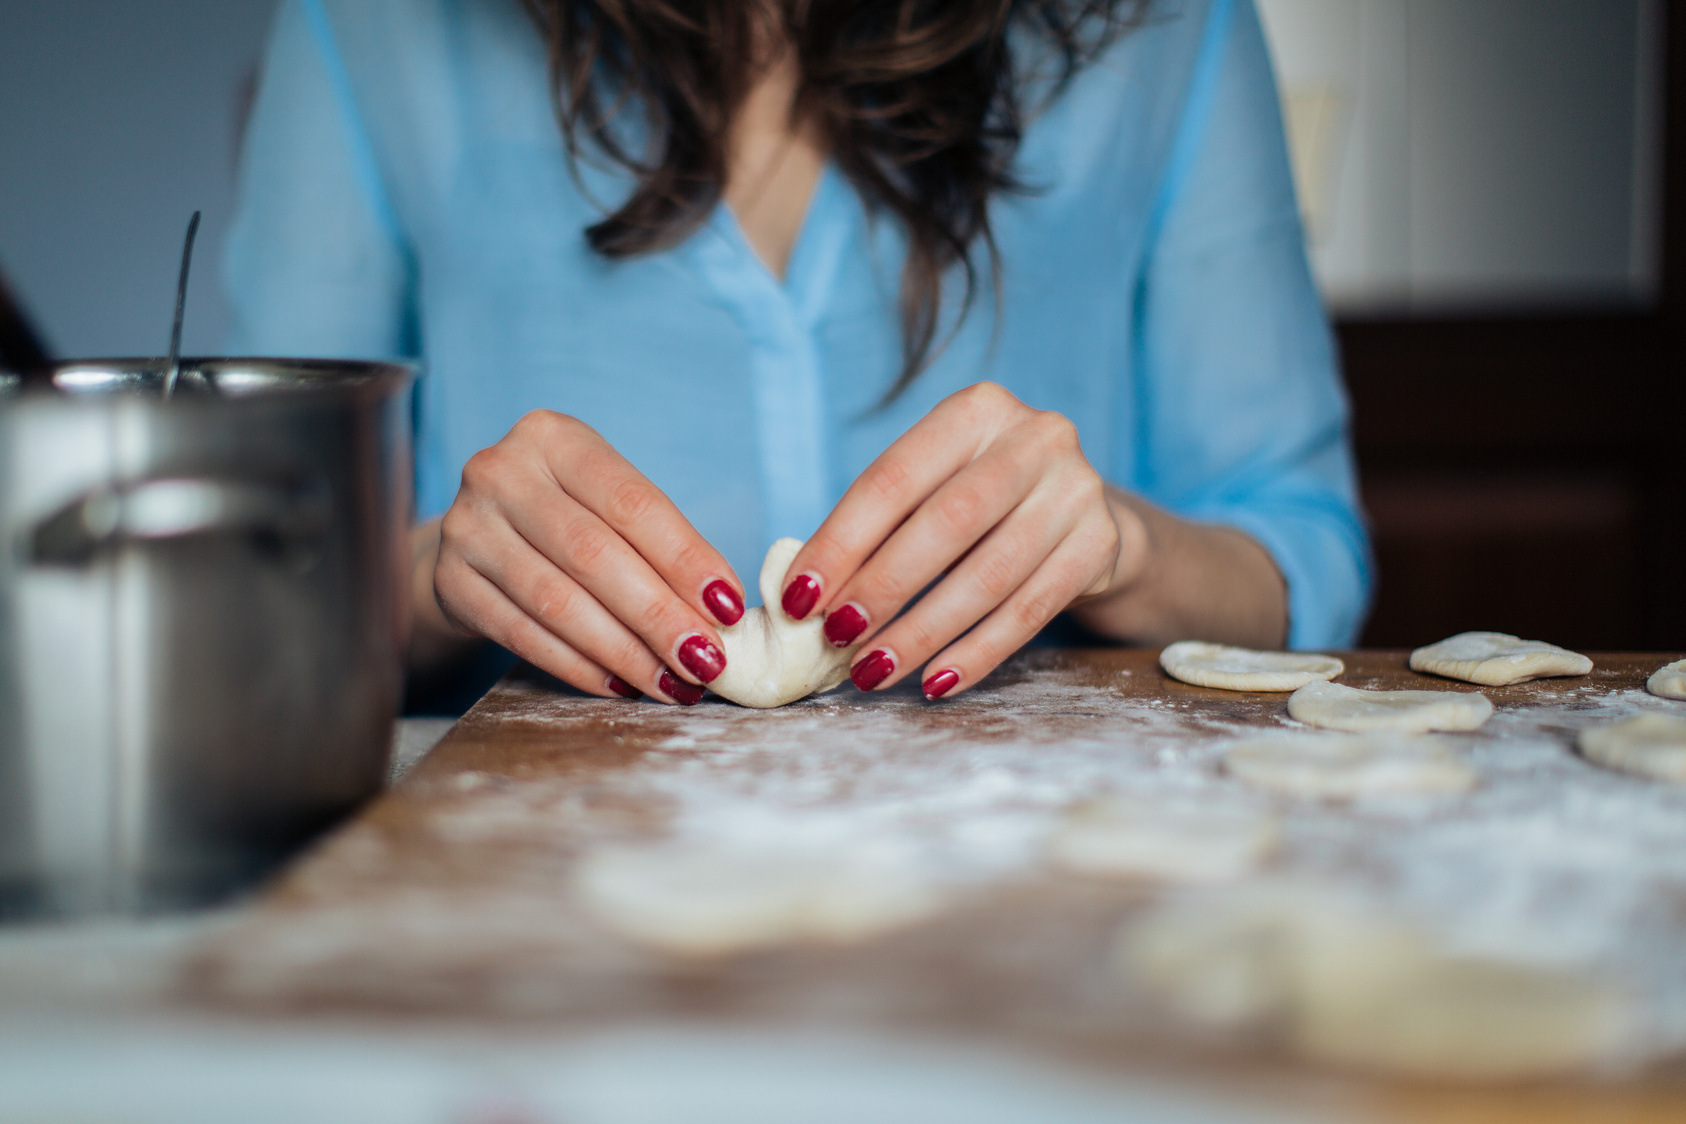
<point x="881" y="592"/>
<point x="1054" y="431"/>
<point x="996" y="575"/>
<point x="589" y="548"/>
<point x="554" y="600"/>
<point x="629" y="503"/>
<point x="960" y="508"/>
<point x="1030" y="613"/>
<point x="887" y="480"/>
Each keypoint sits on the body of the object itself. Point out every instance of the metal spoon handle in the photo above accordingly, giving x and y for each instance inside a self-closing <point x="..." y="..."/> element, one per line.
<point x="173" y="371"/>
<point x="21" y="349"/>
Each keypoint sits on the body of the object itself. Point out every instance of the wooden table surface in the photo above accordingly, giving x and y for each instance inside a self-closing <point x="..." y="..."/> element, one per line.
<point x="450" y="896"/>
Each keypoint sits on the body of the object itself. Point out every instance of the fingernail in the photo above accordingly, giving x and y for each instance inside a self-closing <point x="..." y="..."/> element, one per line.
<point x="681" y="692"/>
<point x="873" y="670"/>
<point x="844" y="624"/>
<point x="940" y="684"/>
<point x="800" y="596"/>
<point x="723" y="601"/>
<point x="624" y="689"/>
<point x="701" y="658"/>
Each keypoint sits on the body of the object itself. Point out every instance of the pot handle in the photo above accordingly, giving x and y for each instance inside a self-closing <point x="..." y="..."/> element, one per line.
<point x="177" y="508"/>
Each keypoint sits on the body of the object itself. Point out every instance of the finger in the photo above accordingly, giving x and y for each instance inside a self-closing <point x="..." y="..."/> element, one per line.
<point x="557" y="603"/>
<point x="477" y="602"/>
<point x="578" y="543"/>
<point x="987" y="576"/>
<point x="893" y="485"/>
<point x="606" y="483"/>
<point x="1058" y="581"/>
<point x="970" y="506"/>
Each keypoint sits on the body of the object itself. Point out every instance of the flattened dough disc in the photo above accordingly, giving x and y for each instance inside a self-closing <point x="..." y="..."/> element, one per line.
<point x="1647" y="745"/>
<point x="772" y="660"/>
<point x="1668" y="681"/>
<point x="1334" y="706"/>
<point x="1497" y="659"/>
<point x="1344" y="766"/>
<point x="1242" y="669"/>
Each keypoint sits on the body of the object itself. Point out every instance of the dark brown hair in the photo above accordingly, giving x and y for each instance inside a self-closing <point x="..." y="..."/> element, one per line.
<point x="920" y="103"/>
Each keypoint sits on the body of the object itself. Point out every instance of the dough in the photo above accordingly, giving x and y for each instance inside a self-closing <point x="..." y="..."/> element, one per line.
<point x="701" y="900"/>
<point x="1343" y="766"/>
<point x="1177" y="841"/>
<point x="1497" y="659"/>
<point x="1336" y="707"/>
<point x="1648" y="745"/>
<point x="1241" y="669"/>
<point x="1668" y="681"/>
<point x="772" y="660"/>
<point x="1352" y="986"/>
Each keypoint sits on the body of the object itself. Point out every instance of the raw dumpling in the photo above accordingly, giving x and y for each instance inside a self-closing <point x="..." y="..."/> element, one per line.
<point x="1162" y="841"/>
<point x="1647" y="745"/>
<point x="703" y="900"/>
<point x="1242" y="669"/>
<point x="1337" y="707"/>
<point x="1346" y="984"/>
<point x="772" y="660"/>
<point x="1497" y="659"/>
<point x="1344" y="766"/>
<point x="1668" y="681"/>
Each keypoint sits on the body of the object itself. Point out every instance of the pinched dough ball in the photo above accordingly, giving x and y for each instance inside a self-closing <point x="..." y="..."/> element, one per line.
<point x="1668" y="681"/>
<point x="1347" y="766"/>
<point x="1497" y="659"/>
<point x="772" y="660"/>
<point x="1647" y="745"/>
<point x="1337" y="707"/>
<point x="1162" y="840"/>
<point x="1242" y="669"/>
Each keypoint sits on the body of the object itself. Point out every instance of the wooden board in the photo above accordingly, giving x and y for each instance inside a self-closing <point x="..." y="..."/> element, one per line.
<point x="453" y="895"/>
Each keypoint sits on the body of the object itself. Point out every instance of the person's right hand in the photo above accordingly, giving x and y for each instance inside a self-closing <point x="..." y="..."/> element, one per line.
<point x="562" y="552"/>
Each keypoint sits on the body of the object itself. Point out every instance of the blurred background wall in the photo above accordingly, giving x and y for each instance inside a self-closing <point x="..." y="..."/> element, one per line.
<point x="1487" y="186"/>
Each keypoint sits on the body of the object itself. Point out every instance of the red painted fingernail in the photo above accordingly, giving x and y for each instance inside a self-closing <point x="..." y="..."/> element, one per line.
<point x="723" y="601"/>
<point x="681" y="692"/>
<point x="800" y="596"/>
<point x="873" y="670"/>
<point x="624" y="689"/>
<point x="940" y="684"/>
<point x="701" y="658"/>
<point x="844" y="624"/>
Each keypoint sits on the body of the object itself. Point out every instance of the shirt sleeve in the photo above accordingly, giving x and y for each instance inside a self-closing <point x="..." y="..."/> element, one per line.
<point x="1241" y="413"/>
<point x="316" y="262"/>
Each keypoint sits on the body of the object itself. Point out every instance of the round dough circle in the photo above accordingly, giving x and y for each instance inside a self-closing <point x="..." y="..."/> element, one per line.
<point x="1343" y="766"/>
<point x="1242" y="669"/>
<point x="1647" y="745"/>
<point x="772" y="660"/>
<point x="1497" y="659"/>
<point x="1334" y="706"/>
<point x="1167" y="842"/>
<point x="1668" y="681"/>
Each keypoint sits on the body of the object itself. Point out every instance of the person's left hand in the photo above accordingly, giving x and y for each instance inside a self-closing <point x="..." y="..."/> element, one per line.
<point x="995" y="498"/>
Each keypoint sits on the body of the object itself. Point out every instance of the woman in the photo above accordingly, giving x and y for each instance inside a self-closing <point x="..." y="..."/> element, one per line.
<point x="1008" y="296"/>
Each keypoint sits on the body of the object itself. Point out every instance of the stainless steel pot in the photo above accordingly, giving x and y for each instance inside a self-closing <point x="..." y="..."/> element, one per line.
<point x="202" y="622"/>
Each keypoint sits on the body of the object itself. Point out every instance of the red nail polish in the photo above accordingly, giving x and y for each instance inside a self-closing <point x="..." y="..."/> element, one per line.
<point x="681" y="692"/>
<point x="624" y="689"/>
<point x="723" y="601"/>
<point x="940" y="684"/>
<point x="873" y="670"/>
<point x="844" y="624"/>
<point x="701" y="658"/>
<point x="800" y="596"/>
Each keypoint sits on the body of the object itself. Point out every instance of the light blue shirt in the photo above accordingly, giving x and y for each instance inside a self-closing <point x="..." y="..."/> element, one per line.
<point x="405" y="193"/>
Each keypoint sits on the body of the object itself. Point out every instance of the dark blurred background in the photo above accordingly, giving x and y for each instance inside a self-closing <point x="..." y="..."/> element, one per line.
<point x="1493" y="194"/>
